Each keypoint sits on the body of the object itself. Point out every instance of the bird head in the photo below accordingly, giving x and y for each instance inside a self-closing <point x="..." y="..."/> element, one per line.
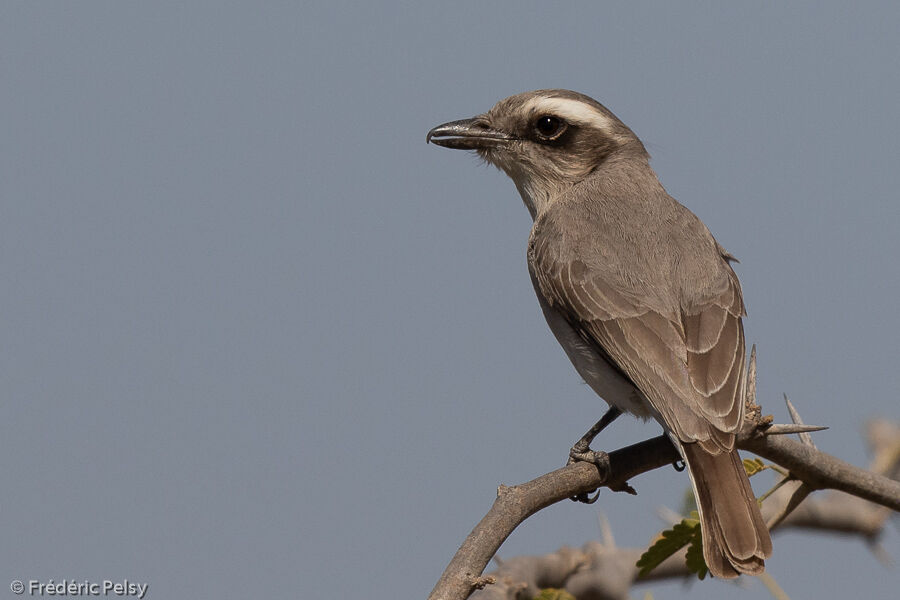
<point x="545" y="140"/>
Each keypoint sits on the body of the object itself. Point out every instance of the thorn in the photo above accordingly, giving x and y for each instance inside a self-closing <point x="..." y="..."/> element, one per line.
<point x="750" y="395"/>
<point x="803" y="430"/>
<point x="881" y="554"/>
<point x="606" y="531"/>
<point x="668" y="516"/>
<point x="795" y="417"/>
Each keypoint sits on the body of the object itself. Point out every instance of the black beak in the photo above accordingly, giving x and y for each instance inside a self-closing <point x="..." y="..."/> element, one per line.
<point x="467" y="134"/>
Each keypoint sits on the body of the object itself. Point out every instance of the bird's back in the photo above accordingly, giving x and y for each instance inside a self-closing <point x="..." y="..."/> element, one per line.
<point x="623" y="226"/>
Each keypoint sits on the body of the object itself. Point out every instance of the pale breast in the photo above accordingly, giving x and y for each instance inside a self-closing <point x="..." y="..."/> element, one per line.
<point x="606" y="381"/>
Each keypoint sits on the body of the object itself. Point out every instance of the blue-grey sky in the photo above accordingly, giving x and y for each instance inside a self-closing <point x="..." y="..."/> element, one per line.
<point x="260" y="341"/>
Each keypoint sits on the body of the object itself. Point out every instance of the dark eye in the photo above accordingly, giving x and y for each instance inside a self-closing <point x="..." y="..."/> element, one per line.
<point x="549" y="127"/>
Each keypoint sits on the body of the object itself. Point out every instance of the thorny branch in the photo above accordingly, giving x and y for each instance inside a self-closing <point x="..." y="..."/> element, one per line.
<point x="809" y="469"/>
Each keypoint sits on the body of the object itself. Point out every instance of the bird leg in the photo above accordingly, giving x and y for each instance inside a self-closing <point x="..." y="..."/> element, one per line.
<point x="581" y="451"/>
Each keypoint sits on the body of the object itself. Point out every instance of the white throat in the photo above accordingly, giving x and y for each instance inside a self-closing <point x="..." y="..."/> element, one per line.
<point x="537" y="194"/>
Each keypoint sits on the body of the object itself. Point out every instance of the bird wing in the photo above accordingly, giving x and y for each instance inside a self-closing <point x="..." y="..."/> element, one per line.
<point x="683" y="350"/>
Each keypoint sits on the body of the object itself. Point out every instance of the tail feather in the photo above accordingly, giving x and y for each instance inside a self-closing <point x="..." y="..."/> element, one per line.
<point x="735" y="537"/>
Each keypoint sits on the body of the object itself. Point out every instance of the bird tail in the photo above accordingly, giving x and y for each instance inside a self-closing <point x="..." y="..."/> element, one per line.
<point x="735" y="537"/>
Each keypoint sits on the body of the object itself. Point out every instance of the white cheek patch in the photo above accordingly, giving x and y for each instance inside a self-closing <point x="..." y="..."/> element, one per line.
<point x="573" y="111"/>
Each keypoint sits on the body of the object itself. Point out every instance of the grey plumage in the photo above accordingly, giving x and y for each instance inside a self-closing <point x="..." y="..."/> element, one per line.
<point x="636" y="290"/>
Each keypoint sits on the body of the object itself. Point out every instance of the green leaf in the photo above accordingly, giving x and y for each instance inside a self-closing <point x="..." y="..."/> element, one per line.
<point x="754" y="465"/>
<point x="694" y="557"/>
<point x="554" y="594"/>
<point x="670" y="541"/>
<point x="688" y="502"/>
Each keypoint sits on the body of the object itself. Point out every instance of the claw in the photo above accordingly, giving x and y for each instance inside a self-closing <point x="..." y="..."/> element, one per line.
<point x="585" y="498"/>
<point x="581" y="452"/>
<point x="598" y="459"/>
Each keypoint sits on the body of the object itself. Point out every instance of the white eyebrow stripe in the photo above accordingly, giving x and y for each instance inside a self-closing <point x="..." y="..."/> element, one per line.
<point x="573" y="111"/>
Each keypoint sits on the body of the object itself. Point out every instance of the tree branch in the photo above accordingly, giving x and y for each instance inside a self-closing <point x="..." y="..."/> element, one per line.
<point x="515" y="504"/>
<point x="823" y="471"/>
<point x="602" y="571"/>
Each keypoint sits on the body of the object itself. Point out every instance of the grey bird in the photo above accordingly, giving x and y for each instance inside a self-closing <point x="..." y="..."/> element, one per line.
<point x="636" y="290"/>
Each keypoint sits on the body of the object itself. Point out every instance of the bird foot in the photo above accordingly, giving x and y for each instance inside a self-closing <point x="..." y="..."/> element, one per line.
<point x="576" y="454"/>
<point x="581" y="452"/>
<point x="597" y="458"/>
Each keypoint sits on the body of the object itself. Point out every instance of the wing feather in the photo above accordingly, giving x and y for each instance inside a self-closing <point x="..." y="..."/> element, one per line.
<point x="686" y="356"/>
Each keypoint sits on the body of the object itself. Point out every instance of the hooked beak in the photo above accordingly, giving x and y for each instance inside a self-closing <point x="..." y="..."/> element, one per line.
<point x="467" y="134"/>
